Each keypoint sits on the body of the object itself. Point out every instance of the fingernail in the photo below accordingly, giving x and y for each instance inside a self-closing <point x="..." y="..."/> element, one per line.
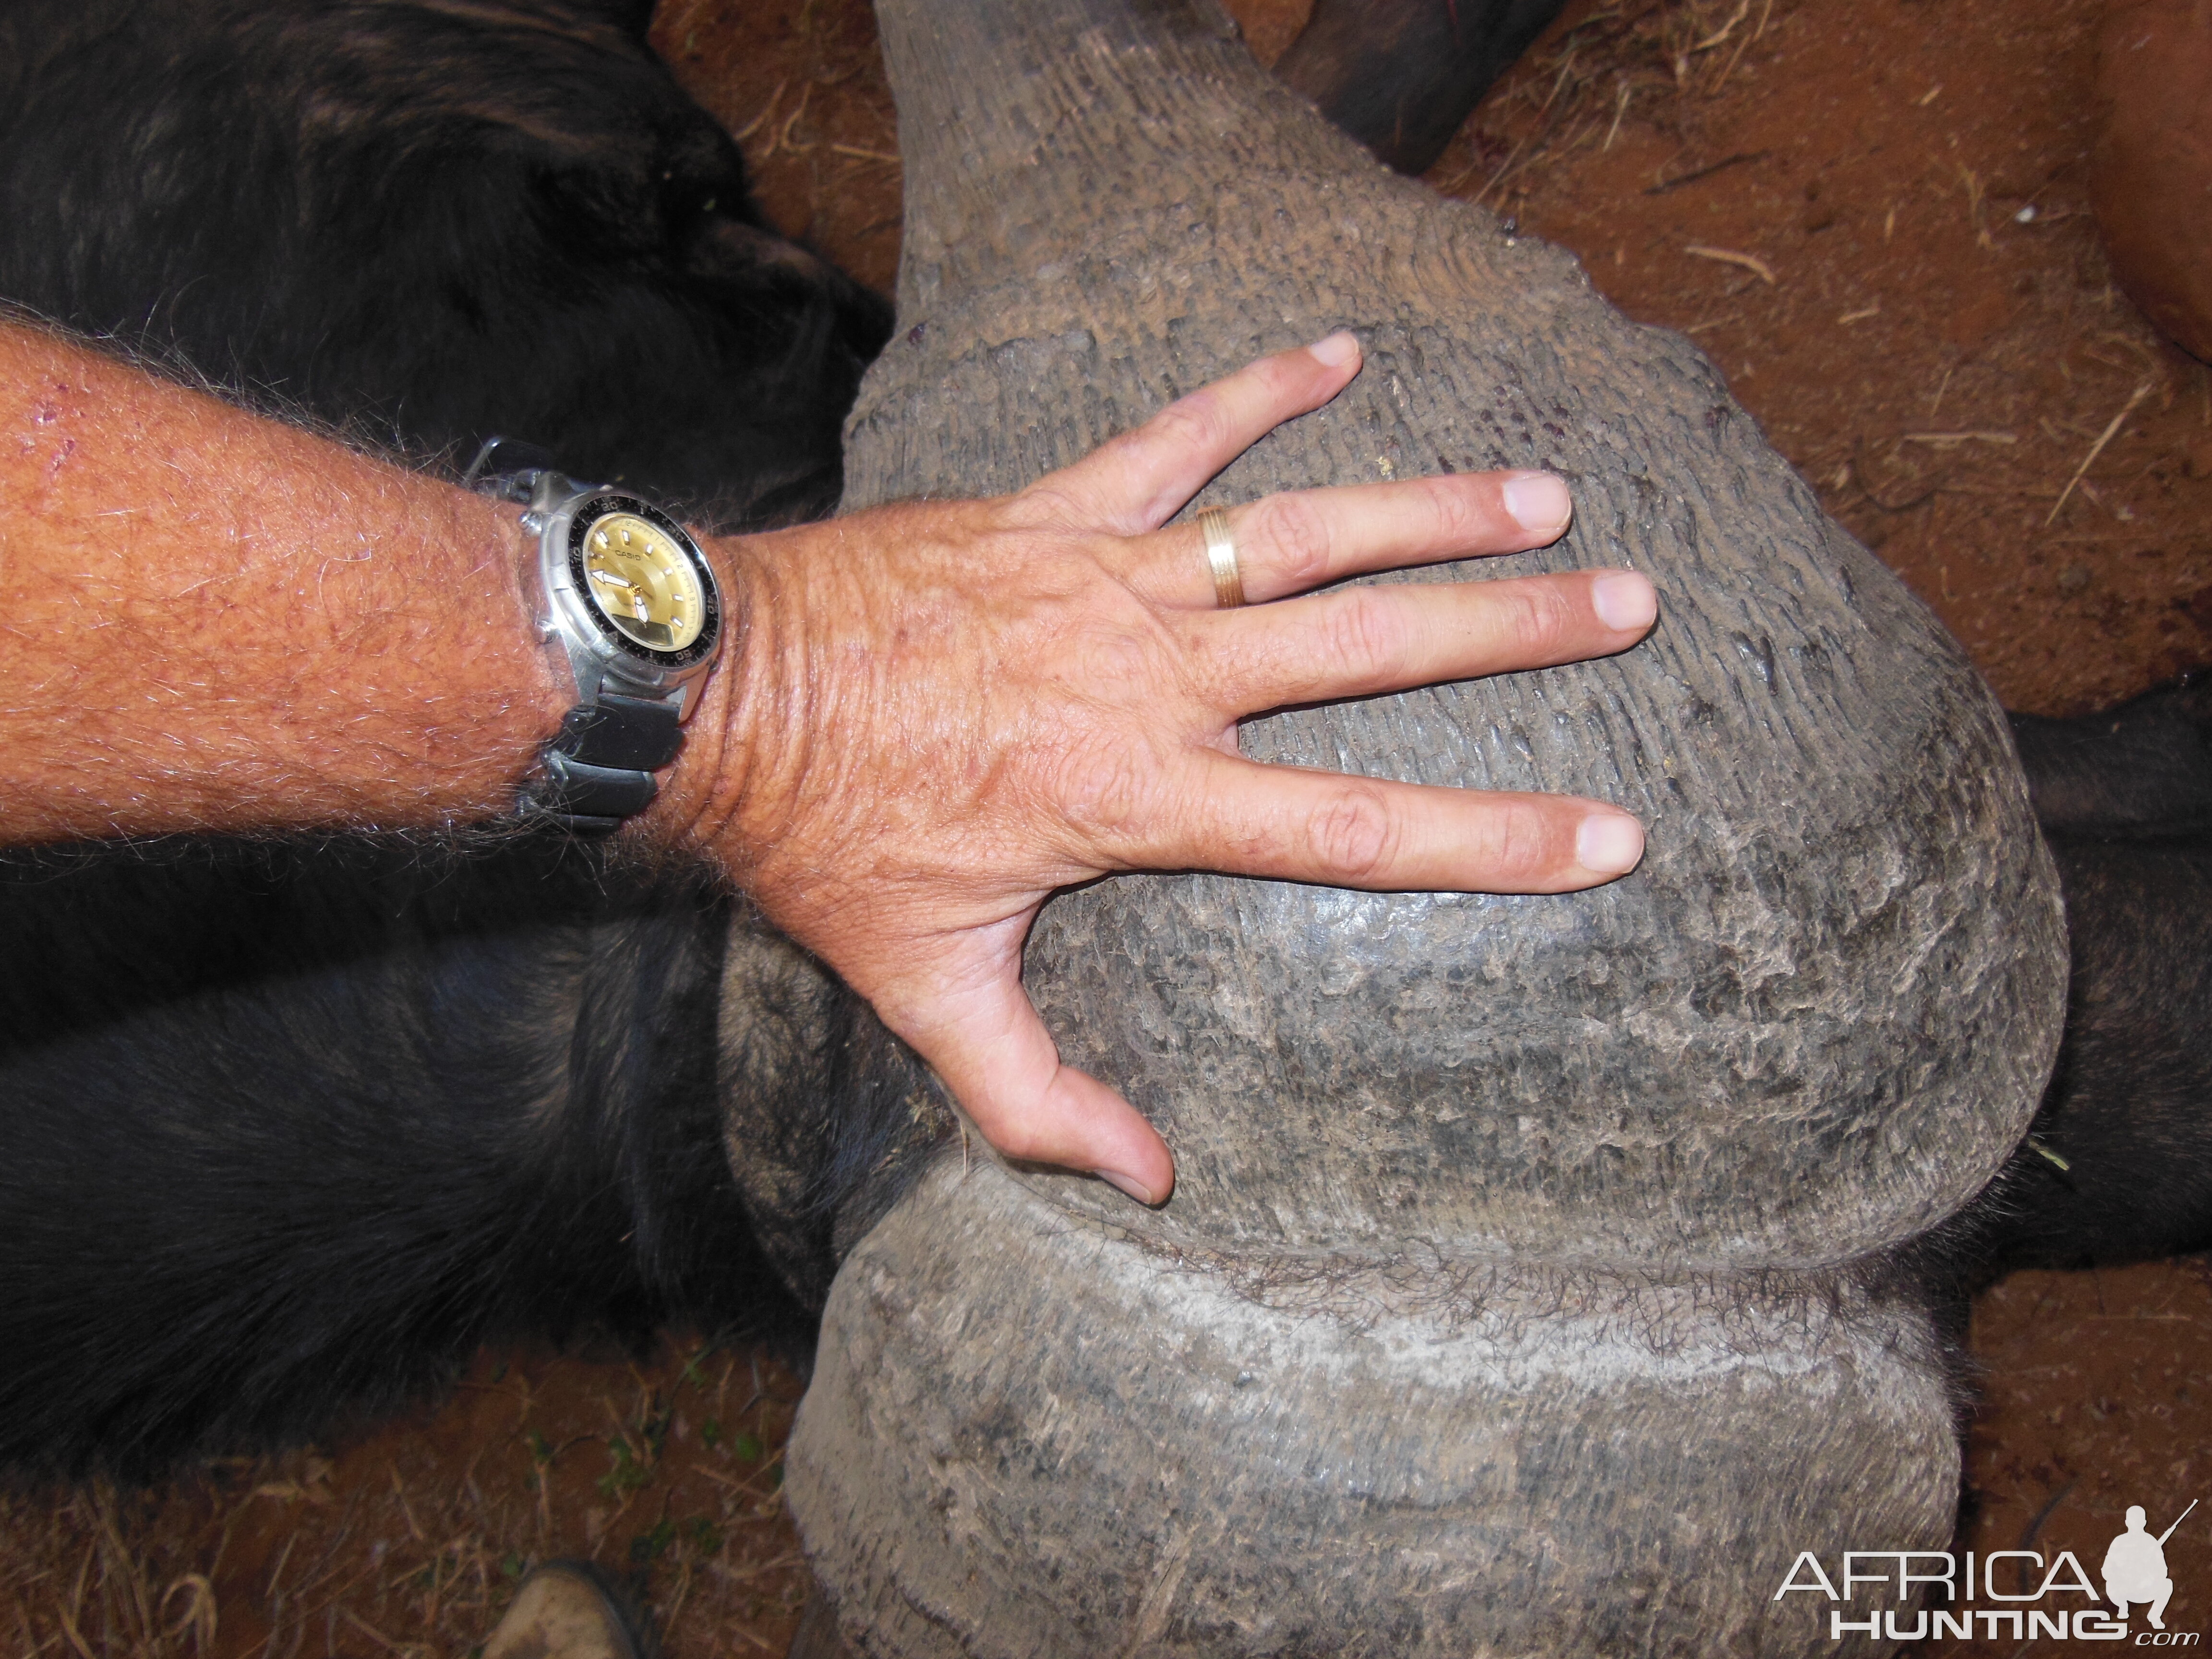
<point x="1337" y="350"/>
<point x="1608" y="843"/>
<point x="1129" y="1184"/>
<point x="1539" y="503"/>
<point x="1625" y="601"/>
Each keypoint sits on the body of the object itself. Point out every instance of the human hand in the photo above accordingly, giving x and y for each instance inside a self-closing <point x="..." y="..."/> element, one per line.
<point x="941" y="712"/>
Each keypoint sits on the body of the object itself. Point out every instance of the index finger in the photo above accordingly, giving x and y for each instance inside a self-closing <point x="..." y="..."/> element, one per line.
<point x="1339" y="829"/>
<point x="1140" y="480"/>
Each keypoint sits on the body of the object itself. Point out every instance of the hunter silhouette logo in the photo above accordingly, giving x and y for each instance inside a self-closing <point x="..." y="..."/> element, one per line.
<point x="2134" y="1567"/>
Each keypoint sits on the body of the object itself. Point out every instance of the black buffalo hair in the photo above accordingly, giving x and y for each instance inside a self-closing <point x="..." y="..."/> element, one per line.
<point x="426" y="222"/>
<point x="292" y="1127"/>
<point x="2118" y="1165"/>
<point x="294" y="1146"/>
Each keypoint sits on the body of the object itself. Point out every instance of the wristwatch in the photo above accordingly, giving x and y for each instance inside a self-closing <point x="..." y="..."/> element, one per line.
<point x="627" y="595"/>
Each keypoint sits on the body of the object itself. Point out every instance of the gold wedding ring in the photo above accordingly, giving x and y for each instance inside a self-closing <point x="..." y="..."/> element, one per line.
<point x="1221" y="558"/>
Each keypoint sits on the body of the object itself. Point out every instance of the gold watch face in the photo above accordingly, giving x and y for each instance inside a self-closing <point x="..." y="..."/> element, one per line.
<point x="643" y="582"/>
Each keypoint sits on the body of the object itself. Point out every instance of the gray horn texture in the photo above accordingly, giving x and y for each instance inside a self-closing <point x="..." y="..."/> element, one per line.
<point x="1525" y="1290"/>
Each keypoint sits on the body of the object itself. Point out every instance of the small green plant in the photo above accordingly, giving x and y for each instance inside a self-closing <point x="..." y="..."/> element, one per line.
<point x="710" y="1433"/>
<point x="628" y="1471"/>
<point x="649" y="1547"/>
<point x="748" y="1447"/>
<point x="512" y="1565"/>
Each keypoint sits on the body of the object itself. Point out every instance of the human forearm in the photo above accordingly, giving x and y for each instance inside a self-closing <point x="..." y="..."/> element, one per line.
<point x="209" y="620"/>
<point x="927" y="718"/>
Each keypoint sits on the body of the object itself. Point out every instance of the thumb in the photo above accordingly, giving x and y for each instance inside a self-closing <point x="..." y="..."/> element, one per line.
<point x="988" y="1043"/>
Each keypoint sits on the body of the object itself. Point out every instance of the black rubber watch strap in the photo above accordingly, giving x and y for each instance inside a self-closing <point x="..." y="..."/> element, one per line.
<point x="628" y="733"/>
<point x="599" y="771"/>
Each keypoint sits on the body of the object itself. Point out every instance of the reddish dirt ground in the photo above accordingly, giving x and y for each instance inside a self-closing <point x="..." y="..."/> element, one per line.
<point x="1873" y="215"/>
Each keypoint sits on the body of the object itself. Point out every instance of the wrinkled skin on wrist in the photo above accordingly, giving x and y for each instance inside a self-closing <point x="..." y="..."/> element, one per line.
<point x="938" y="712"/>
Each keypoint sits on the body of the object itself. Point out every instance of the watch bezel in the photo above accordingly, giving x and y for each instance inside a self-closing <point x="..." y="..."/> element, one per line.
<point x="580" y="516"/>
